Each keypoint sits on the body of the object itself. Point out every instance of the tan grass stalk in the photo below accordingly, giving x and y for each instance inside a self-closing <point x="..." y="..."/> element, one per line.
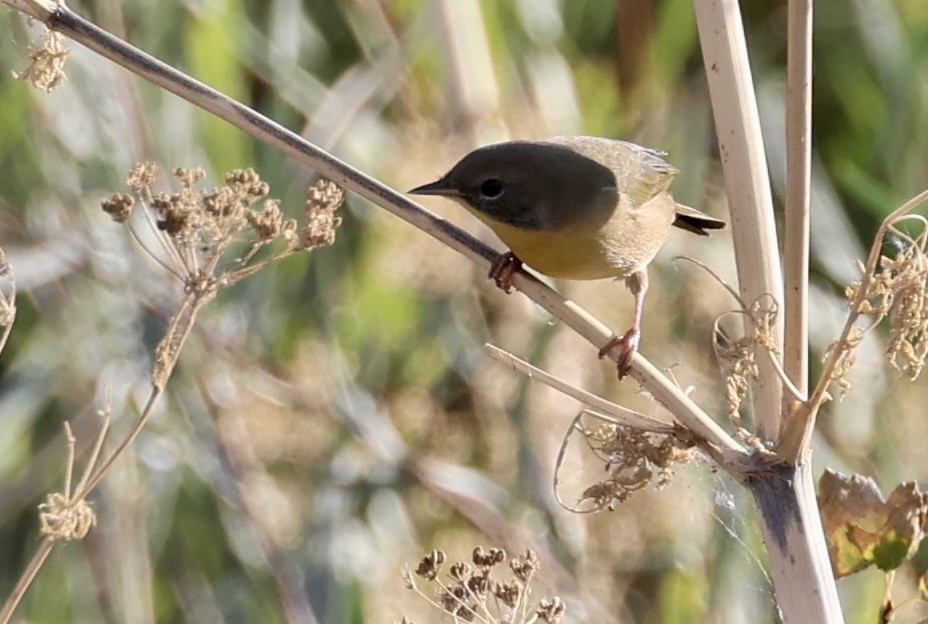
<point x="747" y="183"/>
<point x="798" y="184"/>
<point x="783" y="491"/>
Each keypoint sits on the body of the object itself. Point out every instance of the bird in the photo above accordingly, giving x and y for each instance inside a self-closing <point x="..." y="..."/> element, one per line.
<point x="575" y="208"/>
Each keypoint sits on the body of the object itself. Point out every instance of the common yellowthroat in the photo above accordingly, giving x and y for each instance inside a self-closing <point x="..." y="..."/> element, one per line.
<point x="574" y="207"/>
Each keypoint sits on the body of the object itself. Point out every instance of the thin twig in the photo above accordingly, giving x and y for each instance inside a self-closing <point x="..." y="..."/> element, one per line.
<point x="621" y="415"/>
<point x="69" y="467"/>
<point x="97" y="447"/>
<point x="19" y="590"/>
<point x="771" y="356"/>
<point x="97" y="476"/>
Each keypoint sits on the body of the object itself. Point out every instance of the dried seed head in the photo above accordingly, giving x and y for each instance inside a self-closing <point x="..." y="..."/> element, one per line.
<point x="247" y="184"/>
<point x="46" y="66"/>
<point x="524" y="566"/>
<point x="455" y="603"/>
<point x="634" y="459"/>
<point x="736" y="359"/>
<point x="460" y="571"/>
<point x="469" y="597"/>
<point x="119" y="207"/>
<point x="478" y="585"/>
<point x="508" y="593"/>
<point x="61" y="519"/>
<point x="177" y="218"/>
<point x="489" y="558"/>
<point x="551" y="610"/>
<point x="909" y="312"/>
<point x="189" y="176"/>
<point x="142" y="176"/>
<point x="325" y="195"/>
<point x="431" y="564"/>
<point x="322" y="200"/>
<point x="268" y="223"/>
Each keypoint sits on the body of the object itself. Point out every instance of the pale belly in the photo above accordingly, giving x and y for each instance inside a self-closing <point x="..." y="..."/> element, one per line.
<point x="617" y="249"/>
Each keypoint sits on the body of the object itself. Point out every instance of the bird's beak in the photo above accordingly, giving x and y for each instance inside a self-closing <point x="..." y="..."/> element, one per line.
<point x="439" y="187"/>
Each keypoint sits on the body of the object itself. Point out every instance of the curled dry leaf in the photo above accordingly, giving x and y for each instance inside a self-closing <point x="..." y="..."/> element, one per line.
<point x="863" y="530"/>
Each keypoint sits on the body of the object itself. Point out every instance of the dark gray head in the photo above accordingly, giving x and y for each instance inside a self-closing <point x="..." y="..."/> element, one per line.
<point x="533" y="185"/>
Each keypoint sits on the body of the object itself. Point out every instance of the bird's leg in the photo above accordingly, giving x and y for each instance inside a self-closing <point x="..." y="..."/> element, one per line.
<point x="637" y="283"/>
<point x="502" y="270"/>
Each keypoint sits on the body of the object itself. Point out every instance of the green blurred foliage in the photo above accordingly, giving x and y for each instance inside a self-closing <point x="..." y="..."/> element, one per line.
<point x="335" y="416"/>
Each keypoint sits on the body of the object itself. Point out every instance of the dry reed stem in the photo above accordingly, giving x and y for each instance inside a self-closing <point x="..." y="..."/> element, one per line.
<point x="747" y="182"/>
<point x="798" y="185"/>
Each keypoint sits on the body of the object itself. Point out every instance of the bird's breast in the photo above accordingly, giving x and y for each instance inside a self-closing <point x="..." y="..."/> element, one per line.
<point x="621" y="245"/>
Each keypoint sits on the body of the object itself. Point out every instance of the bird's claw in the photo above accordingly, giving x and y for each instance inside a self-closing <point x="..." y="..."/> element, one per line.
<point x="629" y="345"/>
<point x="503" y="268"/>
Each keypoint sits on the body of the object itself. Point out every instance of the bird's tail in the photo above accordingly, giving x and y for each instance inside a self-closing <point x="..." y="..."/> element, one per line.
<point x="697" y="222"/>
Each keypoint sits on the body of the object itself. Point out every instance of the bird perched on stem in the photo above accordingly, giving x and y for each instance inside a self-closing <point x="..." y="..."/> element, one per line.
<point x="574" y="207"/>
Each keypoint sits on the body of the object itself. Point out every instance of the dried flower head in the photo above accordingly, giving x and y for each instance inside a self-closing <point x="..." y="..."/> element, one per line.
<point x="633" y="460"/>
<point x="141" y="177"/>
<point x="189" y="176"/>
<point x="202" y="232"/>
<point x="525" y="565"/>
<point x="269" y="222"/>
<point x="460" y="571"/>
<point x="896" y="287"/>
<point x="486" y="559"/>
<point x="430" y="565"/>
<point x="509" y="593"/>
<point x="247" y="184"/>
<point x="119" y="207"/>
<point x="46" y="64"/>
<point x="736" y="359"/>
<point x="472" y="592"/>
<point x="64" y="519"/>
<point x="551" y="610"/>
<point x="199" y="226"/>
<point x="906" y="278"/>
<point x="322" y="200"/>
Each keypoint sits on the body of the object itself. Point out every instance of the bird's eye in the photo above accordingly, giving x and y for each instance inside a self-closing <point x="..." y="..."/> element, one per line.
<point x="492" y="188"/>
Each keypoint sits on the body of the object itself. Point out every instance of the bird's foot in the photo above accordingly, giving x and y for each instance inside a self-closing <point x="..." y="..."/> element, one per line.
<point x="502" y="270"/>
<point x="629" y="345"/>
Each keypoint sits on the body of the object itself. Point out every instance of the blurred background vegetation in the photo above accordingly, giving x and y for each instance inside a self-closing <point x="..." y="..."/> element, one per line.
<point x="335" y="417"/>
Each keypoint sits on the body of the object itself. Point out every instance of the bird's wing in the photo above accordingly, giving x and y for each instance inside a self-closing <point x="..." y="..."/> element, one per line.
<point x="647" y="173"/>
<point x="640" y="172"/>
